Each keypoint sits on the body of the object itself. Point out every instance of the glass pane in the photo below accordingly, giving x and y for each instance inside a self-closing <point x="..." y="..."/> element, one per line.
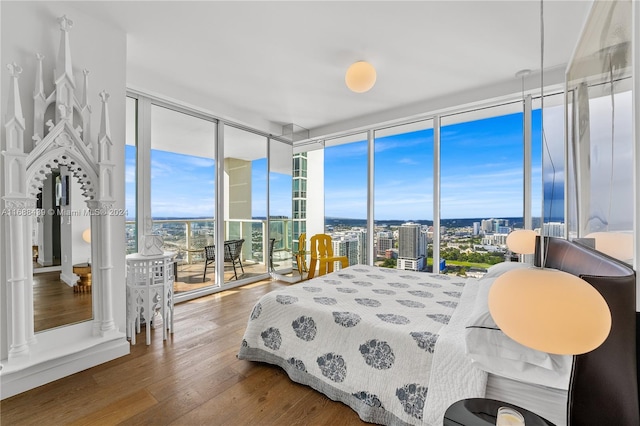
<point x="345" y="183"/>
<point x="404" y="200"/>
<point x="481" y="158"/>
<point x="183" y="192"/>
<point x="245" y="166"/>
<point x="280" y="206"/>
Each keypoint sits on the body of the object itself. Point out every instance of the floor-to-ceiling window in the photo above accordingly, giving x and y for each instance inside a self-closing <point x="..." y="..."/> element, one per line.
<point x="403" y="196"/>
<point x="481" y="186"/>
<point x="345" y="196"/>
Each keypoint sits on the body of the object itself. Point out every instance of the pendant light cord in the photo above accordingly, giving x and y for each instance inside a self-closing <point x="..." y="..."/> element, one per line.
<point x="613" y="114"/>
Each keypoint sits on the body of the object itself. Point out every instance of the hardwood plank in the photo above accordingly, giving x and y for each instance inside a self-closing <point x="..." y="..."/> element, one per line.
<point x="194" y="377"/>
<point x="119" y="410"/>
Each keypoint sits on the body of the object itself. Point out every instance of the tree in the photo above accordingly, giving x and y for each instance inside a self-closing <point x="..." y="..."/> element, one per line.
<point x="389" y="263"/>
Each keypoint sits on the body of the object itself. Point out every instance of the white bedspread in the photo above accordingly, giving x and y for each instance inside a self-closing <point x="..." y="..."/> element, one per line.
<point x="388" y="343"/>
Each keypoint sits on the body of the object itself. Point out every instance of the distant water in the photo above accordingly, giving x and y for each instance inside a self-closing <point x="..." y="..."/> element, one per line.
<point x="515" y="222"/>
<point x="452" y="223"/>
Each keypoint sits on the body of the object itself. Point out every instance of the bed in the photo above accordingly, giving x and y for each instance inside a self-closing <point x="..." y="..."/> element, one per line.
<point x="398" y="346"/>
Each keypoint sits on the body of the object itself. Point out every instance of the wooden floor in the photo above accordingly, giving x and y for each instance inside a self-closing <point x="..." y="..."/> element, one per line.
<point x="193" y="378"/>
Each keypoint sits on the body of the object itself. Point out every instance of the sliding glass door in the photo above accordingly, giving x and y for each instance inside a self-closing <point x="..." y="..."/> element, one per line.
<point x="183" y="186"/>
<point x="246" y="248"/>
<point x="281" y="190"/>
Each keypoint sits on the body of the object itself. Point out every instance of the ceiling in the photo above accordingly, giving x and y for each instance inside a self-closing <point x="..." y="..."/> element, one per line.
<point x="266" y="64"/>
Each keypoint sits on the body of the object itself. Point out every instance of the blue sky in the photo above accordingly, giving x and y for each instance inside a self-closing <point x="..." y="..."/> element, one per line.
<point x="481" y="176"/>
<point x="481" y="173"/>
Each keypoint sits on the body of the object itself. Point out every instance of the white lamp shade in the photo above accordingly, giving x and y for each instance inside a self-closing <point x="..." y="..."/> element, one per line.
<point x="86" y="235"/>
<point x="522" y="241"/>
<point x="360" y="77"/>
<point x="618" y="245"/>
<point x="549" y="310"/>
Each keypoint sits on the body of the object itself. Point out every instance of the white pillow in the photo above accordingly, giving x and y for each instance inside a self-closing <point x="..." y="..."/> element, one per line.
<point x="498" y="269"/>
<point x="493" y="351"/>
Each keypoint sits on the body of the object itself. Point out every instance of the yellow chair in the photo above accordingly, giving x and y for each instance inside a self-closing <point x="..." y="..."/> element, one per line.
<point x="322" y="255"/>
<point x="301" y="255"/>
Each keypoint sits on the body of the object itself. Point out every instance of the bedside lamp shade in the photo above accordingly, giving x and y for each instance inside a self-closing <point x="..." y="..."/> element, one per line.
<point x="522" y="241"/>
<point x="549" y="310"/>
<point x="360" y="77"/>
<point x="614" y="244"/>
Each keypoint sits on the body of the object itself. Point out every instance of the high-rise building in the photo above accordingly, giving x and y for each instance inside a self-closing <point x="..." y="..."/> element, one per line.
<point x="409" y="240"/>
<point x="476" y="228"/>
<point x="384" y="243"/>
<point x="299" y="221"/>
<point x="361" y="234"/>
<point x="345" y="245"/>
<point x="411" y="248"/>
<point x="487" y="226"/>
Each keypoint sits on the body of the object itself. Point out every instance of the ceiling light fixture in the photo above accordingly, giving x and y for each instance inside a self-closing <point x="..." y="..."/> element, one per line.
<point x="360" y="77"/>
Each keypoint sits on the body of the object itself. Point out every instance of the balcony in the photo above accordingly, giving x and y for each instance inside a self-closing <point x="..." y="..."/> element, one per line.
<point x="188" y="237"/>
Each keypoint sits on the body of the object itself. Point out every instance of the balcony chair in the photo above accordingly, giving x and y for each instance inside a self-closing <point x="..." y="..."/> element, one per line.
<point x="209" y="258"/>
<point x="272" y="243"/>
<point x="232" y="251"/>
<point x="301" y="255"/>
<point x="322" y="255"/>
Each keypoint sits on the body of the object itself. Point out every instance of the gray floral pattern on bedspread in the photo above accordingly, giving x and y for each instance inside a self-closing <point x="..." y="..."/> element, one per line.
<point x="364" y="335"/>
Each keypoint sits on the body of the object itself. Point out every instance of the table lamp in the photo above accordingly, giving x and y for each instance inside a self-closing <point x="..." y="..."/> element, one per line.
<point x="550" y="311"/>
<point x="546" y="309"/>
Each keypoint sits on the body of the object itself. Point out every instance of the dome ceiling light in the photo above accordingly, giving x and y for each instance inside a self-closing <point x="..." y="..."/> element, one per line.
<point x="360" y="77"/>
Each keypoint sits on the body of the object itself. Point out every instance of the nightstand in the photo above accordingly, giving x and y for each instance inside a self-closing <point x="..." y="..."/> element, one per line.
<point x="482" y="412"/>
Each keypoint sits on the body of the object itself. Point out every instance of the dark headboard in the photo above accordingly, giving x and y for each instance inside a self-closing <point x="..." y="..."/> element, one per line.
<point x="604" y="382"/>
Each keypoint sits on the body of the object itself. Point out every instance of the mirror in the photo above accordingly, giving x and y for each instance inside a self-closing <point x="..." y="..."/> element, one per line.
<point x="61" y="246"/>
<point x="59" y="140"/>
<point x="600" y="105"/>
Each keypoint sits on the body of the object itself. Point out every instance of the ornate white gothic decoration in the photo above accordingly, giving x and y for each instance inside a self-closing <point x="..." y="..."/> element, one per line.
<point x="57" y="142"/>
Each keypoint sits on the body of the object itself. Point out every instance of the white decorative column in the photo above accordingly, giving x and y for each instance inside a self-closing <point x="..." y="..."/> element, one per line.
<point x="103" y="219"/>
<point x="16" y="204"/>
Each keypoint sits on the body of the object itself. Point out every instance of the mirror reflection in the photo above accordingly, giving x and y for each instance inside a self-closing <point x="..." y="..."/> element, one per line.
<point x="61" y="248"/>
<point x="600" y="104"/>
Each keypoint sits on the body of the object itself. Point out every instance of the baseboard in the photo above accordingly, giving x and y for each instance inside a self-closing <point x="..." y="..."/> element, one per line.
<point x="39" y="374"/>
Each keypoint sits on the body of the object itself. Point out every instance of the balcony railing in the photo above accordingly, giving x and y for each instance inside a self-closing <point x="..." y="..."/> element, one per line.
<point x="188" y="237"/>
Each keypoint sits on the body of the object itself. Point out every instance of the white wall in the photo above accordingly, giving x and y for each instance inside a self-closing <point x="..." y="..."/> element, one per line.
<point x="29" y="28"/>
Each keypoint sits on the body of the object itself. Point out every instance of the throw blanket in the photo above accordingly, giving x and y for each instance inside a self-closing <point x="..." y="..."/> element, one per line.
<point x="388" y="343"/>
